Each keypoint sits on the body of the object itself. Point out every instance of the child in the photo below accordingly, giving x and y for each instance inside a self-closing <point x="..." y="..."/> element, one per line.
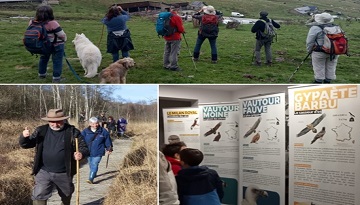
<point x="171" y="152"/>
<point x="197" y="184"/>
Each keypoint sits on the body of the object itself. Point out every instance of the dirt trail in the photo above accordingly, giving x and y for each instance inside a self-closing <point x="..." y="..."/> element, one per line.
<point x="93" y="194"/>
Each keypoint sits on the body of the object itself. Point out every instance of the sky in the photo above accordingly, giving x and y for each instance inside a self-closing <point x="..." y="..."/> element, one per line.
<point x="136" y="93"/>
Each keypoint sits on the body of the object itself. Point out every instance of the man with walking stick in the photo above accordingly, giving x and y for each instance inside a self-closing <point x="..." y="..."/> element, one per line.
<point x="55" y="157"/>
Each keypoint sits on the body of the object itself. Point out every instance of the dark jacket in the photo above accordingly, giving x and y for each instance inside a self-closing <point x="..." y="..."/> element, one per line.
<point x="199" y="185"/>
<point x="260" y="26"/>
<point x="36" y="139"/>
<point x="98" y="144"/>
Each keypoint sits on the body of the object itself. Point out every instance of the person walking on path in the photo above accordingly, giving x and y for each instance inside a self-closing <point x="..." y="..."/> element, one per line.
<point x="324" y="67"/>
<point x="208" y="29"/>
<point x="57" y="36"/>
<point x="121" y="127"/>
<point x="55" y="156"/>
<point x="98" y="140"/>
<point x="119" y="37"/>
<point x="173" y="42"/>
<point x="263" y="37"/>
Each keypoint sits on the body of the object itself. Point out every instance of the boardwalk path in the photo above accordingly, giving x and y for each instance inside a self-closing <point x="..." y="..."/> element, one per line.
<point x="93" y="194"/>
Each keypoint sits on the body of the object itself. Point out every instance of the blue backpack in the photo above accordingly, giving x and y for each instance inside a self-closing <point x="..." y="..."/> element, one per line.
<point x="163" y="27"/>
<point x="36" y="40"/>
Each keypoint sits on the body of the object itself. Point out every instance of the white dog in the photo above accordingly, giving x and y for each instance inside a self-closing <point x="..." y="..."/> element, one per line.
<point x="89" y="55"/>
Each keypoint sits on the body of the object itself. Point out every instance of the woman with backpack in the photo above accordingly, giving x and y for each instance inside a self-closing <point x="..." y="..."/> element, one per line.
<point x="323" y="65"/>
<point x="208" y="30"/>
<point x="57" y="37"/>
<point x="118" y="37"/>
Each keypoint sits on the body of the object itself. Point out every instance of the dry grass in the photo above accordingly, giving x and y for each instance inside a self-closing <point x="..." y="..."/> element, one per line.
<point x="136" y="183"/>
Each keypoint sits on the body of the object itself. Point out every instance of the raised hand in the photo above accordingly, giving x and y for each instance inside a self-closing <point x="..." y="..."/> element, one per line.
<point x="26" y="132"/>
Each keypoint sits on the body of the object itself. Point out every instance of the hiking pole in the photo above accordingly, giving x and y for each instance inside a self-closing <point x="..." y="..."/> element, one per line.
<point x="107" y="160"/>
<point x="102" y="33"/>
<point x="77" y="174"/>
<point x="190" y="52"/>
<point x="302" y="62"/>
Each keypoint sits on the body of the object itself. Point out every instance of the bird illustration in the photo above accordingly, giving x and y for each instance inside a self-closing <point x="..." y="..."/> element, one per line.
<point x="253" y="128"/>
<point x="194" y="123"/>
<point x="319" y="135"/>
<point x="213" y="130"/>
<point x="255" y="138"/>
<point x="217" y="137"/>
<point x="311" y="126"/>
<point x="252" y="194"/>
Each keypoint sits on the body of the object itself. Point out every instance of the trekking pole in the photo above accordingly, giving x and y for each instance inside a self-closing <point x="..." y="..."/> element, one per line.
<point x="77" y="174"/>
<point x="102" y="33"/>
<point x="190" y="52"/>
<point x="299" y="66"/>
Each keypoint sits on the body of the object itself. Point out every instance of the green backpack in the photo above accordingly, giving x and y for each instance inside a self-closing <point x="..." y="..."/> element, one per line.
<point x="269" y="31"/>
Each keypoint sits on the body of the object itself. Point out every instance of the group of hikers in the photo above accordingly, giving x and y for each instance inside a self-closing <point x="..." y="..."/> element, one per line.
<point x="119" y="39"/>
<point x="324" y="60"/>
<point x="58" y="145"/>
<point x="116" y="128"/>
<point x="181" y="178"/>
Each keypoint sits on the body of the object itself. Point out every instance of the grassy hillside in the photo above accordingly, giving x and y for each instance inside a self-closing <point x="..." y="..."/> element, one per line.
<point x="235" y="47"/>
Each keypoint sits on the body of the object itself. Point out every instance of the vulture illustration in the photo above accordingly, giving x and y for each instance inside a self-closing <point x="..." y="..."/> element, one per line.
<point x="255" y="138"/>
<point x="252" y="194"/>
<point x="311" y="126"/>
<point x="213" y="130"/>
<point x="217" y="137"/>
<point x="319" y="135"/>
<point x="253" y="128"/>
<point x="194" y="123"/>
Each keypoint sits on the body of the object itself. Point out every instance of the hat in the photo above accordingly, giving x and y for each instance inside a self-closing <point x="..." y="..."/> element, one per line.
<point x="173" y="139"/>
<point x="210" y="10"/>
<point x="55" y="115"/>
<point x="323" y="18"/>
<point x="264" y="13"/>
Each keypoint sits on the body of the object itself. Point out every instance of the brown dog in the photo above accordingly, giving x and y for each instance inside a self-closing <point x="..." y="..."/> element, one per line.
<point x="116" y="72"/>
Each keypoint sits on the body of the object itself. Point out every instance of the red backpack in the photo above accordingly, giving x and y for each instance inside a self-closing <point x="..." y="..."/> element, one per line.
<point x="209" y="26"/>
<point x="335" y="42"/>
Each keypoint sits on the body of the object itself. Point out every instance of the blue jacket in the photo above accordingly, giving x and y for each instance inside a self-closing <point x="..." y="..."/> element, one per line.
<point x="100" y="143"/>
<point x="199" y="185"/>
<point x="117" y="23"/>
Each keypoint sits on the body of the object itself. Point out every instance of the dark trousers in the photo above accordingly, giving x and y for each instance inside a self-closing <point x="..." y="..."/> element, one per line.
<point x="45" y="182"/>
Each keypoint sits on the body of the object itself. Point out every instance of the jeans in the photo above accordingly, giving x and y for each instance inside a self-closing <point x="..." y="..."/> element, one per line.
<point x="116" y="55"/>
<point x="199" y="41"/>
<point x="57" y="58"/>
<point x="171" y="51"/>
<point x="94" y="165"/>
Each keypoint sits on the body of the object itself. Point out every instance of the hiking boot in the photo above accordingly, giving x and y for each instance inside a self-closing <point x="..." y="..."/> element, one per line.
<point x="166" y="68"/>
<point x="176" y="69"/>
<point x="269" y="63"/>
<point x="327" y="81"/>
<point x="214" y="61"/>
<point x="89" y="181"/>
<point x="42" y="76"/>
<point x="318" y="81"/>
<point x="257" y="63"/>
<point x="58" y="80"/>
<point x="195" y="59"/>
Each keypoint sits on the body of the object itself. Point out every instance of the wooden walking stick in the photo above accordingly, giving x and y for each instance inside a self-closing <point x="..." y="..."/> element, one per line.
<point x="77" y="174"/>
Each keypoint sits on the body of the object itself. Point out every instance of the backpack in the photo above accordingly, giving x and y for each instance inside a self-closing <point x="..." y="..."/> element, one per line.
<point x="269" y="31"/>
<point x="163" y="27"/>
<point x="36" y="40"/>
<point x="335" y="42"/>
<point x="209" y="26"/>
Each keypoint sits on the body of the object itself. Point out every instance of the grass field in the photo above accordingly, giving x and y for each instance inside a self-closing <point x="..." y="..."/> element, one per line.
<point x="235" y="47"/>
